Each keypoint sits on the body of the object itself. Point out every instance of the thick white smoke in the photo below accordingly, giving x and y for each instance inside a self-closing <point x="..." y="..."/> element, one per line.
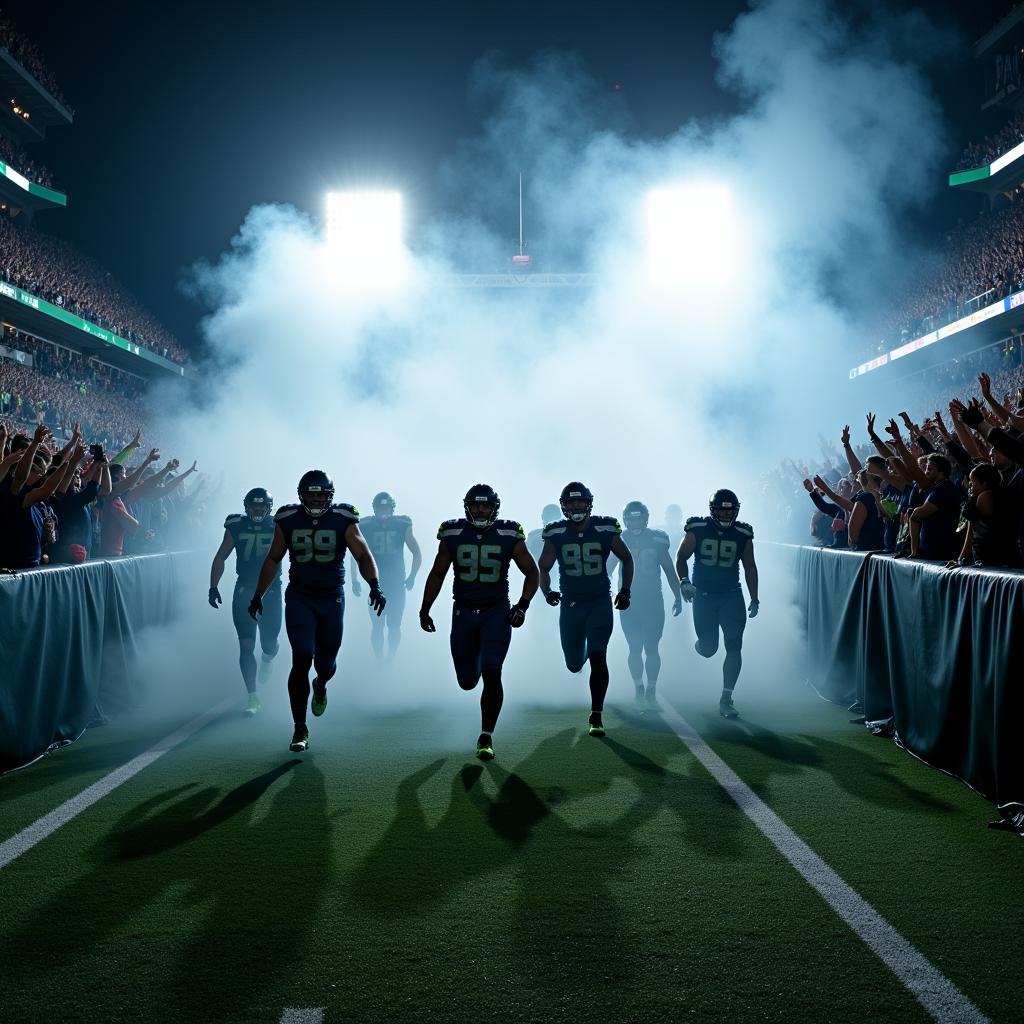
<point x="640" y="392"/>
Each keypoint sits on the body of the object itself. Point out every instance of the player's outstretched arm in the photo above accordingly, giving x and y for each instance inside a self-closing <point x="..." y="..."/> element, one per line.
<point x="625" y="557"/>
<point x="686" y="549"/>
<point x="750" y="574"/>
<point x="673" y="581"/>
<point x="217" y="568"/>
<point x="544" y="567"/>
<point x="278" y="548"/>
<point x="531" y="581"/>
<point x="435" y="580"/>
<point x="417" y="558"/>
<point x="367" y="566"/>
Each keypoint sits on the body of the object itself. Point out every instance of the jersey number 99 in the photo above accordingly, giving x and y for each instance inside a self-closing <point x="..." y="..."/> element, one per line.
<point x="315" y="545"/>
<point x="714" y="552"/>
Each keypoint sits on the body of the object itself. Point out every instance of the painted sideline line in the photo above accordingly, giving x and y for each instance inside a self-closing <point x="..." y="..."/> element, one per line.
<point x="936" y="993"/>
<point x="293" y="1015"/>
<point x="12" y="848"/>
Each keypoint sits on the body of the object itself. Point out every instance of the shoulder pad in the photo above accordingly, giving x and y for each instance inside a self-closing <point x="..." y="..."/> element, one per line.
<point x="554" y="529"/>
<point x="450" y="528"/>
<point x="606" y="524"/>
<point x="284" y="511"/>
<point x="231" y="520"/>
<point x="510" y="528"/>
<point x="403" y="521"/>
<point x="346" y="510"/>
<point x="745" y="528"/>
<point x="695" y="523"/>
<point x="660" y="537"/>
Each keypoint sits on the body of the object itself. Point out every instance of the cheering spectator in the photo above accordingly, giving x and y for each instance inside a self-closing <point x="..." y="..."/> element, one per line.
<point x="993" y="516"/>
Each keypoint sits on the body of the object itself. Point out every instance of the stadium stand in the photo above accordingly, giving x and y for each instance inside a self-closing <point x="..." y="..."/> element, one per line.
<point x="26" y="53"/>
<point x="17" y="157"/>
<point x="978" y="154"/>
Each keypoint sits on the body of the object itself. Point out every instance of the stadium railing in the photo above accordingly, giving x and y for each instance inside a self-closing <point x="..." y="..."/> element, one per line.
<point x="937" y="652"/>
<point x="69" y="636"/>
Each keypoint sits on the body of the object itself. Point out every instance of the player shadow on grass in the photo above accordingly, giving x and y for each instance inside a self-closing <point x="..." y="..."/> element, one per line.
<point x="216" y="884"/>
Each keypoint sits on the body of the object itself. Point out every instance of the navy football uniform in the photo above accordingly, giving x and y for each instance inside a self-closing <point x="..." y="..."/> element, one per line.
<point x="716" y="575"/>
<point x="585" y="612"/>
<point x="252" y="542"/>
<point x="480" y="634"/>
<point x="315" y="598"/>
<point x="385" y="537"/>
<point x="643" y="622"/>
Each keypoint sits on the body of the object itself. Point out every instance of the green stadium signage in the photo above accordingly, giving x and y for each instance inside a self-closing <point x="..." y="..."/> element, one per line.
<point x="980" y="173"/>
<point x="94" y="330"/>
<point x="39" y="191"/>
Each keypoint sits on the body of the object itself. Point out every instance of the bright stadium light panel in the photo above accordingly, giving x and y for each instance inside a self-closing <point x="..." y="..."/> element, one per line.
<point x="364" y="237"/>
<point x="691" y="235"/>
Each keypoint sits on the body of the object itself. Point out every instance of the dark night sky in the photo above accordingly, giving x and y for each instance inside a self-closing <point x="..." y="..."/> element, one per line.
<point x="188" y="114"/>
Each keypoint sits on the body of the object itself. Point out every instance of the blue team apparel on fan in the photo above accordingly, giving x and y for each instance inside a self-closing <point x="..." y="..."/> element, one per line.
<point x="585" y="617"/>
<point x="480" y="635"/>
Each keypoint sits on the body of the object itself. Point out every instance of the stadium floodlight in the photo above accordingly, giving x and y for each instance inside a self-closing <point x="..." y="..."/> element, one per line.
<point x="691" y="234"/>
<point x="364" y="237"/>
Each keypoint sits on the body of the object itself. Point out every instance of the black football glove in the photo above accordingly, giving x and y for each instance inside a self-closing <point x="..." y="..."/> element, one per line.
<point x="214" y="598"/>
<point x="622" y="599"/>
<point x="256" y="606"/>
<point x="517" y="614"/>
<point x="427" y="623"/>
<point x="377" y="599"/>
<point x="553" y="598"/>
<point x="753" y="608"/>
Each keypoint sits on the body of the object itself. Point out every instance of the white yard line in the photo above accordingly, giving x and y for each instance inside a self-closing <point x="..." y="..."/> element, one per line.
<point x="12" y="848"/>
<point x="936" y="993"/>
<point x="293" y="1015"/>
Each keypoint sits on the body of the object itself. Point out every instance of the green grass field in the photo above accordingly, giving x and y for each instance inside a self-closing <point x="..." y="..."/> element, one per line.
<point x="387" y="876"/>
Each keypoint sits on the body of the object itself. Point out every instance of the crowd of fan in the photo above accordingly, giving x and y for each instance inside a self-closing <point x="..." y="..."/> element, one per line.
<point x="981" y="154"/>
<point x="56" y="271"/>
<point x="28" y="55"/>
<point x="947" y="486"/>
<point x="64" y="504"/>
<point x="18" y="157"/>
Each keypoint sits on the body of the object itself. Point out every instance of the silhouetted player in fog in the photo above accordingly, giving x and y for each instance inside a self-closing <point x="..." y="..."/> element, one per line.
<point x="720" y="542"/>
<point x="250" y="536"/>
<point x="481" y="546"/>
<point x="535" y="538"/>
<point x="581" y="543"/>
<point x="315" y="534"/>
<point x="387" y="536"/>
<point x="674" y="526"/>
<point x="643" y="622"/>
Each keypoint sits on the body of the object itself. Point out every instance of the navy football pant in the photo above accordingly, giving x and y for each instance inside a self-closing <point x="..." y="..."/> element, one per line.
<point x="725" y="612"/>
<point x="314" y="625"/>
<point x="643" y="624"/>
<point x="394" y="610"/>
<point x="585" y="628"/>
<point x="269" y="628"/>
<point x="480" y="640"/>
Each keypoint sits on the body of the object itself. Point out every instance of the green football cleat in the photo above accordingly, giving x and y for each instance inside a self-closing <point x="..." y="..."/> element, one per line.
<point x="485" y="747"/>
<point x="300" y="740"/>
<point x="595" y="726"/>
<point x="253" y="706"/>
<point x="319" y="705"/>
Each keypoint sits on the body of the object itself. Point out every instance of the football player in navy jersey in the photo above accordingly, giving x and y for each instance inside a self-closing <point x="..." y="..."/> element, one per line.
<point x="720" y="543"/>
<point x="481" y="546"/>
<point x="643" y="622"/>
<point x="250" y="536"/>
<point x="581" y="544"/>
<point x="315" y="534"/>
<point x="535" y="538"/>
<point x="387" y="536"/>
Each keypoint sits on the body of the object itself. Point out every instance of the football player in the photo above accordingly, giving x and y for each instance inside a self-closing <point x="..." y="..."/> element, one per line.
<point x="387" y="536"/>
<point x="481" y="546"/>
<point x="674" y="525"/>
<point x="720" y="542"/>
<point x="250" y="536"/>
<point x="535" y="538"/>
<point x="315" y="534"/>
<point x="643" y="622"/>
<point x="581" y="543"/>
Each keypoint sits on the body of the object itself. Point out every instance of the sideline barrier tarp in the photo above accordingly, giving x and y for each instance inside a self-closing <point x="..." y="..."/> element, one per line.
<point x="940" y="651"/>
<point x="68" y="643"/>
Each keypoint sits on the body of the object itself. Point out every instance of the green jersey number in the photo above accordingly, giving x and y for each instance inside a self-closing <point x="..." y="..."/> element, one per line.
<point x="318" y="545"/>
<point x="260" y="541"/>
<point x="478" y="562"/>
<point x="582" y="560"/>
<point x="721" y="554"/>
